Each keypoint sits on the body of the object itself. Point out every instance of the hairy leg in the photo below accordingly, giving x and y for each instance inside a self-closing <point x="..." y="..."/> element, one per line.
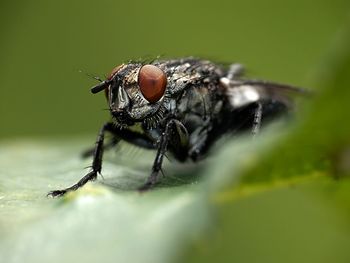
<point x="234" y="71"/>
<point x="173" y="129"/>
<point x="130" y="136"/>
<point x="135" y="138"/>
<point x="96" y="164"/>
<point x="257" y="119"/>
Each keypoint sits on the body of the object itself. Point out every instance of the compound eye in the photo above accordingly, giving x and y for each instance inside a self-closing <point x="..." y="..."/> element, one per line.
<point x="152" y="82"/>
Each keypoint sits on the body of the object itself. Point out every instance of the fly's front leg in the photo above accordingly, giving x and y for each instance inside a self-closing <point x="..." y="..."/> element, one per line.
<point x="96" y="164"/>
<point x="109" y="145"/>
<point x="173" y="129"/>
<point x="135" y="138"/>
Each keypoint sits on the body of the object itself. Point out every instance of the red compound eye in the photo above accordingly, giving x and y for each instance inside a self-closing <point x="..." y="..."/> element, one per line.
<point x="152" y="82"/>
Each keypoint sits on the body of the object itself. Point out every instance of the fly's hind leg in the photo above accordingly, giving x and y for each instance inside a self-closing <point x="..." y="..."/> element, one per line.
<point x="235" y="71"/>
<point x="257" y="119"/>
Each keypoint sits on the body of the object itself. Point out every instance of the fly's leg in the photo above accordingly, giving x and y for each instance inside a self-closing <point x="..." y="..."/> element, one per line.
<point x="132" y="137"/>
<point x="257" y="119"/>
<point x="173" y="129"/>
<point x="200" y="144"/>
<point x="96" y="164"/>
<point x="235" y="71"/>
<point x="178" y="141"/>
<point x="90" y="152"/>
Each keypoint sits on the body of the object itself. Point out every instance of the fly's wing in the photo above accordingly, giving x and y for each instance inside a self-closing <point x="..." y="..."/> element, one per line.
<point x="244" y="92"/>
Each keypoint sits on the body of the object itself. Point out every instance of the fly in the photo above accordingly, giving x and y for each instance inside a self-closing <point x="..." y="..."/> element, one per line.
<point x="183" y="107"/>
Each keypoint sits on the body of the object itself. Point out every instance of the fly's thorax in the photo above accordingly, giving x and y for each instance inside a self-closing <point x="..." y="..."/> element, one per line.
<point x="188" y="72"/>
<point x="199" y="105"/>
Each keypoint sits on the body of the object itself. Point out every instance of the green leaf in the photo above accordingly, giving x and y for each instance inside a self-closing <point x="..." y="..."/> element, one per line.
<point x="98" y="222"/>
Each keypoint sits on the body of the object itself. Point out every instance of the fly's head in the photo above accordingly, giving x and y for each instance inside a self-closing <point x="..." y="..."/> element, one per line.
<point x="135" y="92"/>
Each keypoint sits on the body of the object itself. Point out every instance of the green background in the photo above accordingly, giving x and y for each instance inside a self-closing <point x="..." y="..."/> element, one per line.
<point x="44" y="45"/>
<point x="281" y="198"/>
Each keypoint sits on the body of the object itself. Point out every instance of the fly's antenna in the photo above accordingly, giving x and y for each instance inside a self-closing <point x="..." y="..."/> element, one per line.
<point x="91" y="76"/>
<point x="99" y="87"/>
<point x="94" y="77"/>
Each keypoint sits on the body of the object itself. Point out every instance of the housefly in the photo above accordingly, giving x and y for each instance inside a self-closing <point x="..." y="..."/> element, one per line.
<point x="181" y="106"/>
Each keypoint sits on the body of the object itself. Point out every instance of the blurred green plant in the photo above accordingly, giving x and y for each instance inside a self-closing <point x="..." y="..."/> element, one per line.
<point x="269" y="216"/>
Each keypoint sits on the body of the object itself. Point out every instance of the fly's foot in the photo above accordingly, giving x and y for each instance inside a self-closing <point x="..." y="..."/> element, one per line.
<point x="56" y="193"/>
<point x="147" y="186"/>
<point x="91" y="176"/>
<point x="151" y="181"/>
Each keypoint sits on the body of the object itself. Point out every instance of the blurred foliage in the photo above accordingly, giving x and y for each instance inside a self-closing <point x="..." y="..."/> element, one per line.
<point x="45" y="44"/>
<point x="283" y="197"/>
<point x="283" y="223"/>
